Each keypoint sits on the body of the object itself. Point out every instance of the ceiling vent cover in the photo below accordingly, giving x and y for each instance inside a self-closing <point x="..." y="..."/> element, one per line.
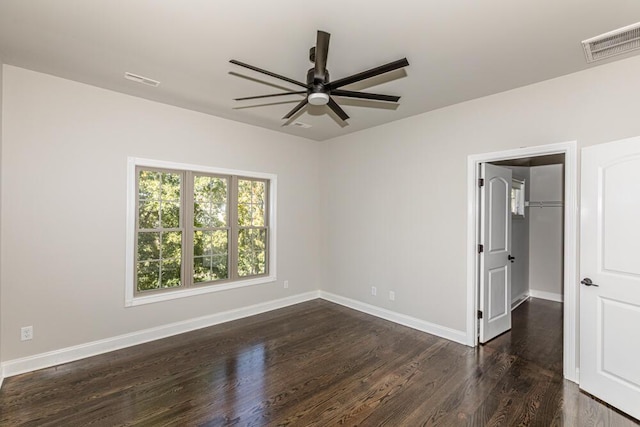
<point x="140" y="79"/>
<point x="612" y="43"/>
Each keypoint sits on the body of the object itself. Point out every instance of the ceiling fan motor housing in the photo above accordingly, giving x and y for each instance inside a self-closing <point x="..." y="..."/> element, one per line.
<point x="316" y="86"/>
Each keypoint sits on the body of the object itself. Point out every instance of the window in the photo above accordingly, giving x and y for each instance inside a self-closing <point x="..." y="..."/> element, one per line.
<point x="197" y="229"/>
<point x="517" y="198"/>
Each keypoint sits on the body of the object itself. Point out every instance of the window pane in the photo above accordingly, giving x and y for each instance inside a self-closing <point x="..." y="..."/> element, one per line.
<point x="219" y="190"/>
<point x="208" y="269"/>
<point x="148" y="275"/>
<point x="219" y="266"/>
<point x="210" y="189"/>
<point x="244" y="191"/>
<point x="258" y="188"/>
<point x="219" y="214"/>
<point x="171" y="186"/>
<point x="210" y="251"/>
<point x="257" y="215"/>
<point x="159" y="199"/>
<point x="201" y="214"/>
<point x="219" y="242"/>
<point x="251" y="203"/>
<point x="148" y="185"/>
<point x="149" y="214"/>
<point x="171" y="245"/>
<point x="148" y="246"/>
<point x="170" y="274"/>
<point x="209" y="215"/>
<point x="198" y="243"/>
<point x="170" y="214"/>
<point x="202" y="269"/>
<point x="252" y="255"/>
<point x="210" y="201"/>
<point x="244" y="214"/>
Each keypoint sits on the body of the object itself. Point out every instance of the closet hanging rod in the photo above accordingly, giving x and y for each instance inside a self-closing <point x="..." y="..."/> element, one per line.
<point x="544" y="204"/>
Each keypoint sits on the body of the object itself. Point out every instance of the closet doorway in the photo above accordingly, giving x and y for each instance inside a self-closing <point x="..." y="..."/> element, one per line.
<point x="535" y="190"/>
<point x="537" y="236"/>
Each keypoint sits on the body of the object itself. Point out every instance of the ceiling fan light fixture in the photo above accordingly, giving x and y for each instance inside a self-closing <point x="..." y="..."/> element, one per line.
<point x="318" y="98"/>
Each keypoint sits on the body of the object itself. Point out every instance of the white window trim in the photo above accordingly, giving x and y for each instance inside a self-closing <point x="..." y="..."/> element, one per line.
<point x="130" y="298"/>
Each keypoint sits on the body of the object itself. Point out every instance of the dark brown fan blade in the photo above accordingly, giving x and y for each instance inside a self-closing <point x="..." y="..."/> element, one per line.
<point x="336" y="109"/>
<point x="269" y="96"/>
<point x="322" y="51"/>
<point x="296" y="108"/>
<point x="370" y="73"/>
<point x="268" y="73"/>
<point x="364" y="95"/>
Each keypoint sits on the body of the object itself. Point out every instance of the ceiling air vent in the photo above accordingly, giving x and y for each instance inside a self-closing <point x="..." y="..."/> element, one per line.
<point x="139" y="79"/>
<point x="612" y="43"/>
<point x="301" y="125"/>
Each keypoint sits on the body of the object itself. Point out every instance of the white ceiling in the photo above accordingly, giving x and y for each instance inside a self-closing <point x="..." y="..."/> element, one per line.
<point x="458" y="49"/>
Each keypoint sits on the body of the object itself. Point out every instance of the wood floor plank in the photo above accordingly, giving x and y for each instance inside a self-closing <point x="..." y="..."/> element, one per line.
<point x="316" y="364"/>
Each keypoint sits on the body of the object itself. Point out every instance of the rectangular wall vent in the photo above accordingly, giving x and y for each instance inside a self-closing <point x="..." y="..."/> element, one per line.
<point x="612" y="43"/>
<point x="139" y="79"/>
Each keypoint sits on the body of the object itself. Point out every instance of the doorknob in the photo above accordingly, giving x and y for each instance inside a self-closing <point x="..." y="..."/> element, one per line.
<point x="511" y="258"/>
<point x="587" y="282"/>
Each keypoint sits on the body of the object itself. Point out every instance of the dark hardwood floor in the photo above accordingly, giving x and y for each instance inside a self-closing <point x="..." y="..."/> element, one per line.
<point x="320" y="364"/>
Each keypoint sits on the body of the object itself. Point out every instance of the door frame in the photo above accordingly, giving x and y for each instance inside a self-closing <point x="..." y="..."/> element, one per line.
<point x="569" y="149"/>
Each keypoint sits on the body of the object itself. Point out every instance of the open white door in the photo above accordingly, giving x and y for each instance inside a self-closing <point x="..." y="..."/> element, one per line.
<point x="610" y="272"/>
<point x="495" y="257"/>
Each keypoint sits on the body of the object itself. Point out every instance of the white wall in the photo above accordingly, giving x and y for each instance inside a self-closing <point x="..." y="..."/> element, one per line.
<point x="1" y="132"/>
<point x="520" y="242"/>
<point x="394" y="197"/>
<point x="546" y="225"/>
<point x="64" y="157"/>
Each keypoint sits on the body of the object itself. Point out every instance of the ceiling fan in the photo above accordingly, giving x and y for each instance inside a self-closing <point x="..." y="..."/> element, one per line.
<point x="319" y="89"/>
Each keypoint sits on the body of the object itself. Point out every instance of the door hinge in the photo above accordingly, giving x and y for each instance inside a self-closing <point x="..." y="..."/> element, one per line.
<point x="479" y="314"/>
<point x="480" y="249"/>
<point x="481" y="182"/>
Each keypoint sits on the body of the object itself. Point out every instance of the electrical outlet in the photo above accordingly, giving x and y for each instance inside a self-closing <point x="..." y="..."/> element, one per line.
<point x="374" y="291"/>
<point x="392" y="295"/>
<point x="286" y="284"/>
<point x="26" y="333"/>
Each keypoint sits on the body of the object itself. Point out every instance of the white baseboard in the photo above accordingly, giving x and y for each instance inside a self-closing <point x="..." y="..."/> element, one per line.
<point x="402" y="319"/>
<point x="551" y="296"/>
<point x="519" y="300"/>
<point x="69" y="354"/>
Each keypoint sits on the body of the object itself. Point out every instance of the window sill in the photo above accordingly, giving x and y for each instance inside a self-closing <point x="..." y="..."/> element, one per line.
<point x="131" y="301"/>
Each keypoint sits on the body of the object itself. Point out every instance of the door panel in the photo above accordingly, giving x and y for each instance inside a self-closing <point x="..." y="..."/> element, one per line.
<point x="499" y="196"/>
<point x="610" y="258"/>
<point x="616" y="316"/>
<point x="622" y="214"/>
<point x="497" y="292"/>
<point x="495" y="235"/>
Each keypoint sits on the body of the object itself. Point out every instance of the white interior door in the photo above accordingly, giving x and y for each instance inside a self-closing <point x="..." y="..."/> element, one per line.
<point x="495" y="262"/>
<point x="610" y="272"/>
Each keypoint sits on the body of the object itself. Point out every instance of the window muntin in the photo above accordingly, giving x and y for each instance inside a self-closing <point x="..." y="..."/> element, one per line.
<point x="224" y="219"/>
